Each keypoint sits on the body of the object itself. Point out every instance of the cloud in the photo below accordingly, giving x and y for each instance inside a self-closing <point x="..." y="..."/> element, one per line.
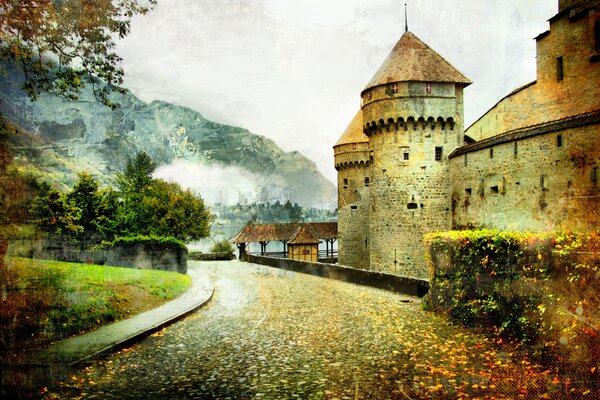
<point x="292" y="70"/>
<point x="216" y="184"/>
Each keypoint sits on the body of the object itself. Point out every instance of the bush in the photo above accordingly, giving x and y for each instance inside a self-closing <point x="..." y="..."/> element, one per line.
<point x="159" y="242"/>
<point x="538" y="288"/>
<point x="222" y="246"/>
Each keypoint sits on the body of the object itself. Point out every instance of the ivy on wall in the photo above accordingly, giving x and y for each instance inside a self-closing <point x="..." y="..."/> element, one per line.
<point x="542" y="289"/>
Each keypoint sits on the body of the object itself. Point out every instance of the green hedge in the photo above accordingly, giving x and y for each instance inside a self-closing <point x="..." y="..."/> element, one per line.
<point x="150" y="241"/>
<point x="541" y="289"/>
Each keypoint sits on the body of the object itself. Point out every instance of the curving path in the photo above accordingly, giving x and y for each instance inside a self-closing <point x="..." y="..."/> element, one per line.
<point x="274" y="334"/>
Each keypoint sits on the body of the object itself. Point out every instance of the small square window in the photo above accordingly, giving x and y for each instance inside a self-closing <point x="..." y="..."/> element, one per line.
<point x="468" y="191"/>
<point x="438" y="154"/>
<point x="494" y="190"/>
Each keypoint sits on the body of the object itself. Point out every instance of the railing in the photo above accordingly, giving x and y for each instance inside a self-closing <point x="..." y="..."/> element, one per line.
<point x="281" y="254"/>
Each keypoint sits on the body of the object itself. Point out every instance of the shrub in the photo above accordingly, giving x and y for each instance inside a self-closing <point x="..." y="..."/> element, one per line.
<point x="222" y="246"/>
<point x="149" y="241"/>
<point x="538" y="288"/>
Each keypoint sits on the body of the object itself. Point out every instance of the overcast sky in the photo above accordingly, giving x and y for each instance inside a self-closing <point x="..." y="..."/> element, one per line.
<point x="293" y="70"/>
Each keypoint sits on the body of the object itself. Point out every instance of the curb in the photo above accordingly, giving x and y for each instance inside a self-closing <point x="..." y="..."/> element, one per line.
<point x="63" y="353"/>
<point x="57" y="362"/>
<point x="141" y="334"/>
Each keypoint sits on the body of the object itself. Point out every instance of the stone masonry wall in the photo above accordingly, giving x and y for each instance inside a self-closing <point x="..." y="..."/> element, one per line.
<point x="540" y="187"/>
<point x="550" y="98"/>
<point x="410" y="191"/>
<point x="408" y="198"/>
<point x="353" y="223"/>
<point x="352" y="161"/>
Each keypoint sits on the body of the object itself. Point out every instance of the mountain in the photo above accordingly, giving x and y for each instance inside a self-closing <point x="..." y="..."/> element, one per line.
<point x="225" y="164"/>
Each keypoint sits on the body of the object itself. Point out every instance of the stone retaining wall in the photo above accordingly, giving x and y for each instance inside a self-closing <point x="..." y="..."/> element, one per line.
<point x="211" y="256"/>
<point x="381" y="280"/>
<point x="140" y="255"/>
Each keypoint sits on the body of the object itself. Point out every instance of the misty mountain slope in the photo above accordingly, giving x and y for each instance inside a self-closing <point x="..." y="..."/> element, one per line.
<point x="224" y="163"/>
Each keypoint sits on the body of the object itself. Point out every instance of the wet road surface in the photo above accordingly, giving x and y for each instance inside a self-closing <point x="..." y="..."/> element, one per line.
<point x="274" y="334"/>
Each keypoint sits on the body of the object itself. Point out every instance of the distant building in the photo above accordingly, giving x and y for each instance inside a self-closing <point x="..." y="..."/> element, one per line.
<point x="406" y="167"/>
<point x="303" y="245"/>
<point x="300" y="240"/>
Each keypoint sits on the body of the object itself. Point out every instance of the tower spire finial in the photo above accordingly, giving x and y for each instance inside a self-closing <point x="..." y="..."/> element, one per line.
<point x="405" y="18"/>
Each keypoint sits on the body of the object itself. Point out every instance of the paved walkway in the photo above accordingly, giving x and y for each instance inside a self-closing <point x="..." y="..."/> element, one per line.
<point x="119" y="334"/>
<point x="275" y="334"/>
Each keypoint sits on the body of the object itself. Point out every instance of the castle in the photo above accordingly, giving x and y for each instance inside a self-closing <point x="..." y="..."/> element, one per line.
<point x="407" y="167"/>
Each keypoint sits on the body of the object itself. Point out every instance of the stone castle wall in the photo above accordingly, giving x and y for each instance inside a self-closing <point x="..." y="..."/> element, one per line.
<point x="408" y="198"/>
<point x="535" y="165"/>
<point x="545" y="182"/>
<point x="353" y="213"/>
<point x="550" y="98"/>
<point x="353" y="224"/>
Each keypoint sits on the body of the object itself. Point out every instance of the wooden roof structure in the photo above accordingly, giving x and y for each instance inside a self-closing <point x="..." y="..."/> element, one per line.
<point x="411" y="60"/>
<point x="354" y="132"/>
<point x="285" y="232"/>
<point x="303" y="236"/>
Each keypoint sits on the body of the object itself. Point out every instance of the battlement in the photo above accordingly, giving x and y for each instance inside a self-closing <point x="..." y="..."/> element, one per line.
<point x="408" y="123"/>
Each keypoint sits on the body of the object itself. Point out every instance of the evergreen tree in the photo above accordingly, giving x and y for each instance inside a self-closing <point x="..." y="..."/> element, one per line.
<point x="86" y="197"/>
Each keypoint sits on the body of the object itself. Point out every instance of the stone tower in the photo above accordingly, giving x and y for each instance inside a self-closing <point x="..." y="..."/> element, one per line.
<point x="351" y="155"/>
<point x="412" y="111"/>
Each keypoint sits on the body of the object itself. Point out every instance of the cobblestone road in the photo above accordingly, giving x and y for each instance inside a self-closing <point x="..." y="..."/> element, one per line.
<point x="273" y="334"/>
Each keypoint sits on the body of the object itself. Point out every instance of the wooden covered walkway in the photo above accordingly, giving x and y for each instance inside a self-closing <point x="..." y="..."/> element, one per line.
<point x="265" y="233"/>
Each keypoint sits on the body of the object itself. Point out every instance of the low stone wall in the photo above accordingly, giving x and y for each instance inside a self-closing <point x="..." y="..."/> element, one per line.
<point x="381" y="280"/>
<point x="147" y="257"/>
<point x="139" y="255"/>
<point x="211" y="256"/>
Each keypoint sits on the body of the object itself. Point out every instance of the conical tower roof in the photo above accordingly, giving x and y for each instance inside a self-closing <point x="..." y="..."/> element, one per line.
<point x="354" y="132"/>
<point x="413" y="60"/>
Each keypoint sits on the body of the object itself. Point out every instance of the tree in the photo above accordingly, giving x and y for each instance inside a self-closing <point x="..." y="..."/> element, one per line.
<point x="172" y="211"/>
<point x="133" y="184"/>
<point x="61" y="44"/>
<point x="54" y="215"/>
<point x="86" y="197"/>
<point x="137" y="176"/>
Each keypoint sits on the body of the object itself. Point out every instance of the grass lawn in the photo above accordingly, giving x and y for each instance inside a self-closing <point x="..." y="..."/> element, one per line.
<point x="43" y="301"/>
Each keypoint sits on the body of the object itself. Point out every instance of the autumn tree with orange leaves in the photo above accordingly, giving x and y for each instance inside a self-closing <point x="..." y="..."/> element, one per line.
<point x="62" y="45"/>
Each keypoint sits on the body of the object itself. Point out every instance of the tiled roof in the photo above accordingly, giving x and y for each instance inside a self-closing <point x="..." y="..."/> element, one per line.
<point x="354" y="132"/>
<point x="575" y="121"/>
<point x="413" y="60"/>
<point x="303" y="236"/>
<point x="273" y="232"/>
